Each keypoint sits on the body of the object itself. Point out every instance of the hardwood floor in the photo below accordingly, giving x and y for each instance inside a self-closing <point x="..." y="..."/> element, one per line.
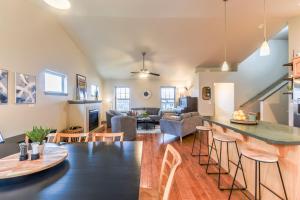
<point x="191" y="181"/>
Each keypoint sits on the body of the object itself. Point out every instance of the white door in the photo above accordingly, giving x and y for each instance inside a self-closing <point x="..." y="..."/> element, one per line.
<point x="224" y="99"/>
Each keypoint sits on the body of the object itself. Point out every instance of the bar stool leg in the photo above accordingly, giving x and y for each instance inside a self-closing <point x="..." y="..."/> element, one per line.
<point x="220" y="164"/>
<point x="236" y="171"/>
<point x="213" y="146"/>
<point x="195" y="134"/>
<point x="238" y="153"/>
<point x="259" y="188"/>
<point x="228" y="167"/>
<point x="281" y="180"/>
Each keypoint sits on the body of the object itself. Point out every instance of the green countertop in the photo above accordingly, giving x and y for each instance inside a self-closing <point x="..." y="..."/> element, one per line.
<point x="266" y="131"/>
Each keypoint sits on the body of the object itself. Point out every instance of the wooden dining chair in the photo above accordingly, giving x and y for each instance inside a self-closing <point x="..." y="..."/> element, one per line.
<point x="170" y="163"/>
<point x="105" y="136"/>
<point x="51" y="138"/>
<point x="72" y="137"/>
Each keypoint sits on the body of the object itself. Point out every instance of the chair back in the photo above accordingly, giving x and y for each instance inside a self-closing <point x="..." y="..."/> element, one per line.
<point x="72" y="137"/>
<point x="105" y="136"/>
<point x="171" y="161"/>
<point x="51" y="138"/>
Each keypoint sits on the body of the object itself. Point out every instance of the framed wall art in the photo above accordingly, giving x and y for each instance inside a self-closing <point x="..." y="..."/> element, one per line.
<point x="3" y="86"/>
<point x="25" y="87"/>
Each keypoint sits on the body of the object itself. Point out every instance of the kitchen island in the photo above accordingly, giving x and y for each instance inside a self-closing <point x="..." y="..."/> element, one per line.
<point x="282" y="140"/>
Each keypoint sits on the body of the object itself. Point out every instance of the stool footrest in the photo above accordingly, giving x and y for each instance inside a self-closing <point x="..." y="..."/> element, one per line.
<point x="271" y="191"/>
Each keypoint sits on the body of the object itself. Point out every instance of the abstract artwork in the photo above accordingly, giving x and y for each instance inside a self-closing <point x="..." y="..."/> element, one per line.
<point x="3" y="86"/>
<point x="81" y="87"/>
<point x="25" y="89"/>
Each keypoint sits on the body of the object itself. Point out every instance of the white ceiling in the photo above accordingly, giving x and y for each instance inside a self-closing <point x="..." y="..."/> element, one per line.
<point x="178" y="35"/>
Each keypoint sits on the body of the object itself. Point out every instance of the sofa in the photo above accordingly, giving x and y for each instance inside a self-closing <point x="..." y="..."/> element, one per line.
<point x="109" y="115"/>
<point x="125" y="124"/>
<point x="154" y="113"/>
<point x="181" y="125"/>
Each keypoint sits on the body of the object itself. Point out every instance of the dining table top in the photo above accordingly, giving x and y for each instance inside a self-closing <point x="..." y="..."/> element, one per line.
<point x="93" y="170"/>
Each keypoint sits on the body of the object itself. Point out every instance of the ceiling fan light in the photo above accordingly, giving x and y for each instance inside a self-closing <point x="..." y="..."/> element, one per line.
<point x="225" y="66"/>
<point x="264" y="49"/>
<point x="59" y="4"/>
<point x="144" y="75"/>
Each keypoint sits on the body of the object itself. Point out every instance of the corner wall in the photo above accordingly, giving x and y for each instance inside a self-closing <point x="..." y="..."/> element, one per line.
<point x="32" y="41"/>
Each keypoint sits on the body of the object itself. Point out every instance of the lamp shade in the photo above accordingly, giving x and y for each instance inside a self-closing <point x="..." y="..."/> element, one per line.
<point x="225" y="67"/>
<point x="264" y="49"/>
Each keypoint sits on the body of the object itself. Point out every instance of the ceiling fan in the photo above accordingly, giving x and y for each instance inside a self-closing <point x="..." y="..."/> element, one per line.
<point x="145" y="72"/>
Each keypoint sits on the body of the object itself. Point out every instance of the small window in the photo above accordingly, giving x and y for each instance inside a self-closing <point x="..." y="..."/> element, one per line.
<point x="55" y="83"/>
<point x="167" y="98"/>
<point x="94" y="90"/>
<point x="122" y="99"/>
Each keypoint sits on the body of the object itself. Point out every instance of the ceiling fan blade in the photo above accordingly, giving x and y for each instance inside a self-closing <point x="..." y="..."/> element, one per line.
<point x="135" y="72"/>
<point x="154" y="74"/>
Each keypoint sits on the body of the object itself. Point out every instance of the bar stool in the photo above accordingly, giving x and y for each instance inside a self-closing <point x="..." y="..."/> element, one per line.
<point x="259" y="157"/>
<point x="200" y="131"/>
<point x="222" y="138"/>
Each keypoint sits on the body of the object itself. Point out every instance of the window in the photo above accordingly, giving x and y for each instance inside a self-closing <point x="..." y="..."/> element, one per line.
<point x="122" y="99"/>
<point x="94" y="90"/>
<point x="167" y="98"/>
<point x="55" y="83"/>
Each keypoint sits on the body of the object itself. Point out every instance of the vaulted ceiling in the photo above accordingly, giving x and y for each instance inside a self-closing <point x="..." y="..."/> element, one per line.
<point x="178" y="35"/>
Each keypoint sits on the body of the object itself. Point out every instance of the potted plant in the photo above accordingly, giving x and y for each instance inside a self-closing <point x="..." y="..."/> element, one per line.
<point x="38" y="135"/>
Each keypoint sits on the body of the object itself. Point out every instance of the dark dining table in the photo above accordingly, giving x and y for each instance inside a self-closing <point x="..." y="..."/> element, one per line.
<point x="91" y="171"/>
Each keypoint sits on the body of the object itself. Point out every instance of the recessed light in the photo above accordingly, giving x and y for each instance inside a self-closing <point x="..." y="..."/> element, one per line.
<point x="59" y="4"/>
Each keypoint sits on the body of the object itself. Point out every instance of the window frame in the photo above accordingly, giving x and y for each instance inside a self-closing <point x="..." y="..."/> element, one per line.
<point x="174" y="98"/>
<point x="64" y="83"/>
<point x="116" y="98"/>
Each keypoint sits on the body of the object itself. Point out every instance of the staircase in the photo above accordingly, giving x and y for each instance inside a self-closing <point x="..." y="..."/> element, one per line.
<point x="253" y="104"/>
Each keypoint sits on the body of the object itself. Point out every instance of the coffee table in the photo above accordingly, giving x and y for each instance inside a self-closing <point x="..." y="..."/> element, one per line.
<point x="145" y="123"/>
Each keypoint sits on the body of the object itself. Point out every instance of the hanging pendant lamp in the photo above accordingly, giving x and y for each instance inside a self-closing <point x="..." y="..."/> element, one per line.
<point x="265" y="49"/>
<point x="225" y="65"/>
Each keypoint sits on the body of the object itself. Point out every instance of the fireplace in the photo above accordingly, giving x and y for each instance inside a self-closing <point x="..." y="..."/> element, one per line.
<point x="93" y="119"/>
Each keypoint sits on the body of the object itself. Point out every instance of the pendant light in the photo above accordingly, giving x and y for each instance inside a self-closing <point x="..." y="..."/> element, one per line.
<point x="225" y="65"/>
<point x="59" y="4"/>
<point x="265" y="49"/>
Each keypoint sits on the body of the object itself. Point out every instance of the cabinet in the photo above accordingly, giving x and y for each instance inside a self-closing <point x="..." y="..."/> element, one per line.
<point x="188" y="104"/>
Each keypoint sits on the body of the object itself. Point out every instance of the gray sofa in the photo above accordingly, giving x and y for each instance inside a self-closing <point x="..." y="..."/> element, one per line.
<point x="109" y="115"/>
<point x="182" y="125"/>
<point x="125" y="124"/>
<point x="154" y="113"/>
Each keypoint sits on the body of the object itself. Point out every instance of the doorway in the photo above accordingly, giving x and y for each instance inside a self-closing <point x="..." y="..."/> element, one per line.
<point x="224" y="99"/>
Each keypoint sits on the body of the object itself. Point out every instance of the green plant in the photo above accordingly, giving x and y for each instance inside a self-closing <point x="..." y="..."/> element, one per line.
<point x="145" y="114"/>
<point x="38" y="134"/>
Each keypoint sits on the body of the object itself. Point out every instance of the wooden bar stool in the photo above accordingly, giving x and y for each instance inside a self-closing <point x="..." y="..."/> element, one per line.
<point x="222" y="138"/>
<point x="201" y="130"/>
<point x="259" y="157"/>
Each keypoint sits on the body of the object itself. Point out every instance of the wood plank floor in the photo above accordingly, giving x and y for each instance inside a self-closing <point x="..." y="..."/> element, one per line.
<point x="191" y="181"/>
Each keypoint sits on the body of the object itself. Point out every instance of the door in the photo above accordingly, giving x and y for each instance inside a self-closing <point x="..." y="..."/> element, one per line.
<point x="224" y="99"/>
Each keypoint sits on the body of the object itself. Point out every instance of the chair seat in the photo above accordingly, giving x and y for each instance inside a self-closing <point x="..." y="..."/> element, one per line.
<point x="203" y="128"/>
<point x="223" y="138"/>
<point x="259" y="155"/>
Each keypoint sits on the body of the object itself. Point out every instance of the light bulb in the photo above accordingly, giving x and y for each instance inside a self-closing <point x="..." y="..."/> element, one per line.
<point x="225" y="66"/>
<point x="143" y="75"/>
<point x="59" y="4"/>
<point x="264" y="49"/>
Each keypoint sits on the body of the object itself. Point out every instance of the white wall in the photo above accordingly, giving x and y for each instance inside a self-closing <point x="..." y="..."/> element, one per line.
<point x="275" y="108"/>
<point x="32" y="41"/>
<point x="137" y="87"/>
<point x="254" y="75"/>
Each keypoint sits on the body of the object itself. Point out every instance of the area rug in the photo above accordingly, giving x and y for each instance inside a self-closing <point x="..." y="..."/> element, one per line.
<point x="156" y="130"/>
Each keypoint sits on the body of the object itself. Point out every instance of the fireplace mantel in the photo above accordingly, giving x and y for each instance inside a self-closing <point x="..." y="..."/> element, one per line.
<point x="84" y="101"/>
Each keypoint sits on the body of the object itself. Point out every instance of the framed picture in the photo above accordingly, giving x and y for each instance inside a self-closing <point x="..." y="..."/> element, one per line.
<point x="3" y="86"/>
<point x="81" y="87"/>
<point x="25" y="87"/>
